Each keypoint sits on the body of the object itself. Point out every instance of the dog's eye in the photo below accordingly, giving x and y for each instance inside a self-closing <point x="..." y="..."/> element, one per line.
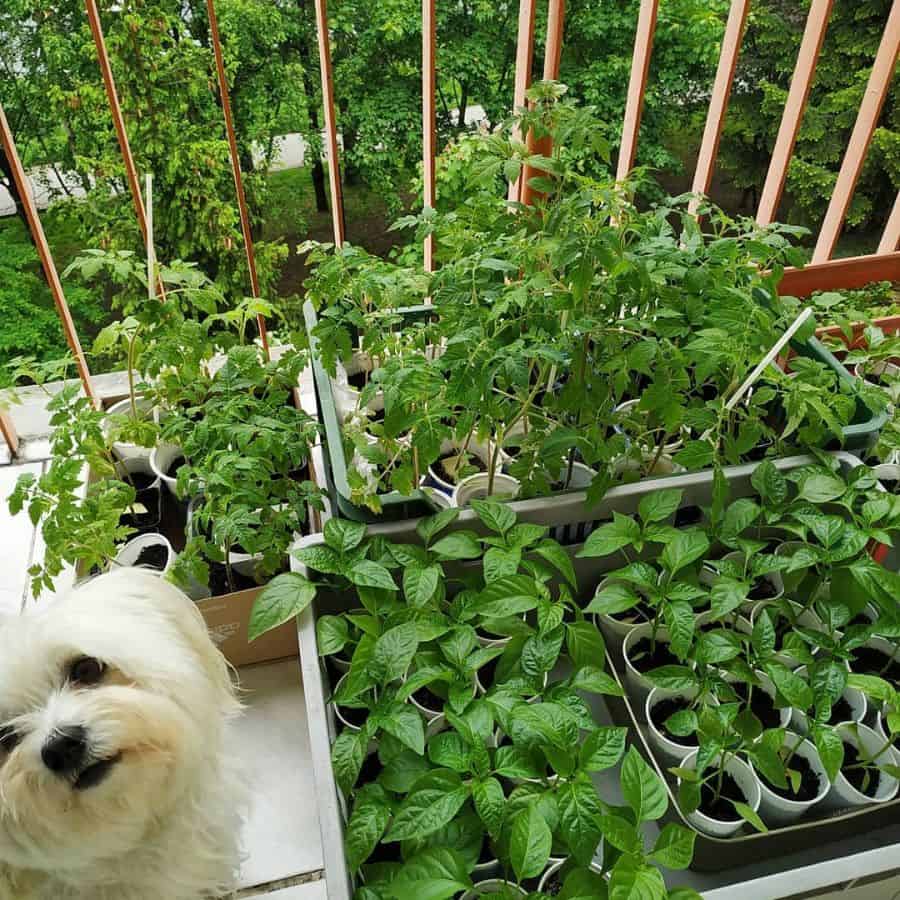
<point x="9" y="738"/>
<point x="86" y="670"/>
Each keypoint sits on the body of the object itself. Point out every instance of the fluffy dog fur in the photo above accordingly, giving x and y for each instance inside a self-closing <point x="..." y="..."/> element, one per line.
<point x="164" y="819"/>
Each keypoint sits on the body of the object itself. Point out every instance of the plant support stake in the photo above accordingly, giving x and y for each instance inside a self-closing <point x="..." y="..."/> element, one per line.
<point x="236" y="168"/>
<point x="768" y="358"/>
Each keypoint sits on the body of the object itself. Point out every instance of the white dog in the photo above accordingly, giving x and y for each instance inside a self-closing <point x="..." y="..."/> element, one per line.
<point x="114" y="780"/>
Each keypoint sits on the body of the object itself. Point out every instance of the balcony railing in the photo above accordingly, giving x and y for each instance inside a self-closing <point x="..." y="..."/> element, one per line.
<point x="822" y="273"/>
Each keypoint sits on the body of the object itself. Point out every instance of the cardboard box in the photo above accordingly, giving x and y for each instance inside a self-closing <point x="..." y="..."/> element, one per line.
<point x="227" y="618"/>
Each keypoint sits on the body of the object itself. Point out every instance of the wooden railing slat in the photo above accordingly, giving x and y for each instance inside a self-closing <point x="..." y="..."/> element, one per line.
<point x="795" y="106"/>
<point x="718" y="103"/>
<point x="863" y="129"/>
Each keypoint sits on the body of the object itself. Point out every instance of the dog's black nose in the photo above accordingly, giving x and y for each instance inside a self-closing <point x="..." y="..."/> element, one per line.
<point x="65" y="750"/>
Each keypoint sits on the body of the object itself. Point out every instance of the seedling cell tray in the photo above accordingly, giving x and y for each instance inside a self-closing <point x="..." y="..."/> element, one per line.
<point x="859" y="435"/>
<point x="822" y="835"/>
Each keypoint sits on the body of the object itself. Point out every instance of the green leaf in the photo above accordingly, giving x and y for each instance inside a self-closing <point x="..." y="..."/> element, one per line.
<point x="790" y="685"/>
<point x="508" y="596"/>
<point x="602" y="748"/>
<point x="831" y="749"/>
<point x="696" y="455"/>
<point x="516" y="762"/>
<point x="282" y="599"/>
<point x="529" y="844"/>
<point x="674" y="847"/>
<point x="436" y="873"/>
<point x="739" y="516"/>
<point x="613" y="599"/>
<point x="585" y="645"/>
<point x="769" y="483"/>
<point x="448" y="750"/>
<point x="490" y="803"/>
<point x="642" y="788"/>
<point x="684" y="549"/>
<point x="425" y="811"/>
<point x="320" y="559"/>
<point x="365" y="573"/>
<point x="497" y="516"/>
<point x="623" y="531"/>
<point x="369" y="818"/>
<point x="347" y="755"/>
<point x="393" y="652"/>
<point x="420" y="584"/>
<point x="679" y="618"/>
<point x="459" y="545"/>
<point x="659" y="505"/>
<point x="673" y="678"/>
<point x="579" y="818"/>
<point x="821" y="487"/>
<point x="559" y="559"/>
<point x="344" y="535"/>
<point x="750" y="815"/>
<point x="596" y="681"/>
<point x="405" y="724"/>
<point x="428" y="528"/>
<point x="332" y="634"/>
<point x="633" y="880"/>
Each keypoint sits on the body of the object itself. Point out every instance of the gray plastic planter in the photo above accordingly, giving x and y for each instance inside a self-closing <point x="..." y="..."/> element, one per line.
<point x="712" y="854"/>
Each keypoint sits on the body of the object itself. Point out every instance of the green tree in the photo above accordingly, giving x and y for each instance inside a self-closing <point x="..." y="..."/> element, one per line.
<point x="766" y="63"/>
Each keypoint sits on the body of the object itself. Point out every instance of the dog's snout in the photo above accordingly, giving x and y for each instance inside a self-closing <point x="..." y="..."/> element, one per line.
<point x="65" y="750"/>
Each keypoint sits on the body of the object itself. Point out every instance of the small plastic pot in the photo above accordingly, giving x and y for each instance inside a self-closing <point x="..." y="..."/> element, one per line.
<point x="161" y="460"/>
<point x="576" y="478"/>
<point x="438" y="499"/>
<point x="433" y="479"/>
<point x="885" y="367"/>
<point x="494" y="886"/>
<point x="842" y="793"/>
<point x="664" y="747"/>
<point x="346" y="397"/>
<point x="774" y="809"/>
<point x="623" y="409"/>
<point x="123" y="449"/>
<point x="476" y="487"/>
<point x="636" y="682"/>
<point x="555" y="865"/>
<point x="130" y="553"/>
<point x="149" y="496"/>
<point x="748" y="784"/>
<point x="888" y="472"/>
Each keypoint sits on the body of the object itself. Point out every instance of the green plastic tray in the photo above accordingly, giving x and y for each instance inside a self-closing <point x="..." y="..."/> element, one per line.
<point x="858" y="436"/>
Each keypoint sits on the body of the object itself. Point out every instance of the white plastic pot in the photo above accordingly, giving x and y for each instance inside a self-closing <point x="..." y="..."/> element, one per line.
<point x="128" y="555"/>
<point x="347" y="397"/>
<point x="886" y="367"/>
<point x="437" y="498"/>
<point x="842" y="793"/>
<point x="748" y="784"/>
<point x="774" y="809"/>
<point x="637" y="683"/>
<point x="494" y="886"/>
<point x="855" y="699"/>
<point x="623" y="409"/>
<point x="665" y="748"/>
<point x="579" y="476"/>
<point x="476" y="487"/>
<point x="663" y="466"/>
<point x="889" y="471"/>
<point x="556" y="865"/>
<point x="476" y="448"/>
<point x="161" y="459"/>
<point x="144" y="406"/>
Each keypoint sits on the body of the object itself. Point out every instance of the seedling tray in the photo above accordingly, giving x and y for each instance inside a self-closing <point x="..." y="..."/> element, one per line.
<point x="859" y="435"/>
<point x="821" y="837"/>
